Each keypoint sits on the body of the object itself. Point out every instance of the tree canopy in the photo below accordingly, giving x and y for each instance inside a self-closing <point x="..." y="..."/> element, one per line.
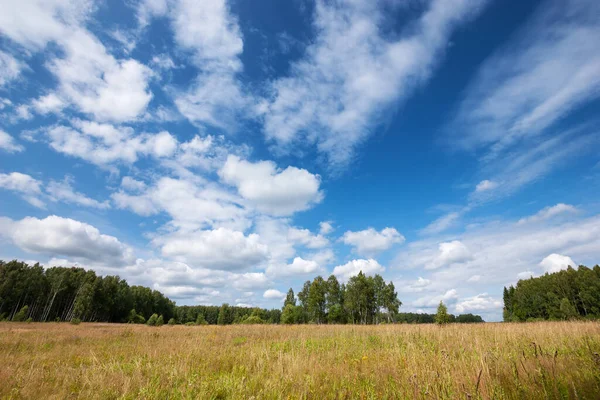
<point x="567" y="294"/>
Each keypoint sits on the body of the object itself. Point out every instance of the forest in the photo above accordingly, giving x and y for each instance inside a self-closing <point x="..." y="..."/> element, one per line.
<point x="564" y="295"/>
<point x="33" y="293"/>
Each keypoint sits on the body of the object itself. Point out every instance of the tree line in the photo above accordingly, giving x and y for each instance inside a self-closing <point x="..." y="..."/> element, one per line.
<point x="30" y="292"/>
<point x="33" y="293"/>
<point x="564" y="295"/>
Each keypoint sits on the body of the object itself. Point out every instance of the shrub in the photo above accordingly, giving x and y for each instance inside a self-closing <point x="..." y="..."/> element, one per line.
<point x="75" y="321"/>
<point x="160" y="321"/>
<point x="29" y="320"/>
<point x="21" y="315"/>
<point x="152" y="320"/>
<point x="200" y="320"/>
<point x="135" y="318"/>
<point x="253" y="319"/>
<point x="172" y="321"/>
<point x="190" y="323"/>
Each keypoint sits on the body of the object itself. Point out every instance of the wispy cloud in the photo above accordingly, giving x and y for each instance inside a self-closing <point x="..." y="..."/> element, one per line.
<point x="336" y="94"/>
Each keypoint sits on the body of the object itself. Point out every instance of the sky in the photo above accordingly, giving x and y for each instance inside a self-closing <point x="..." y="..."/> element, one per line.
<point x="227" y="150"/>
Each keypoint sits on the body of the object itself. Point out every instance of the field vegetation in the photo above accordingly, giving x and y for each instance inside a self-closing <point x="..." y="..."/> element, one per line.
<point x="542" y="360"/>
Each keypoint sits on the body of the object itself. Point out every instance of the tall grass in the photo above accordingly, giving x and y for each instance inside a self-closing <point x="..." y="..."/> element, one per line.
<point x="483" y="361"/>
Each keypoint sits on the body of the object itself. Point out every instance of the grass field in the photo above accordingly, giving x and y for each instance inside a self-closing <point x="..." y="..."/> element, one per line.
<point x="512" y="361"/>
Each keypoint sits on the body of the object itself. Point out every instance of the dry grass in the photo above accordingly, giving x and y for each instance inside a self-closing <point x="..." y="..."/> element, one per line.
<point x="488" y="361"/>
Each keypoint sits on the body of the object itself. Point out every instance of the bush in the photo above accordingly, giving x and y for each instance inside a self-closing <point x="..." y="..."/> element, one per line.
<point x="253" y="319"/>
<point x="200" y="320"/>
<point x="29" y="320"/>
<point x="160" y="321"/>
<point x="135" y="318"/>
<point x="152" y="320"/>
<point x="172" y="321"/>
<point x="21" y="315"/>
<point x="189" y="324"/>
<point x="75" y="321"/>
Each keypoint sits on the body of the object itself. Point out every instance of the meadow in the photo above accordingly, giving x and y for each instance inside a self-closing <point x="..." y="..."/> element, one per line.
<point x="477" y="361"/>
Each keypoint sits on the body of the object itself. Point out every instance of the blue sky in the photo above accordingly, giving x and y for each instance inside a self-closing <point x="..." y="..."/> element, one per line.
<point x="223" y="151"/>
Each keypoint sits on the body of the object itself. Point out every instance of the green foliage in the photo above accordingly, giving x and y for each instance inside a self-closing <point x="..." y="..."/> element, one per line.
<point x="172" y="322"/>
<point x="160" y="321"/>
<point x="200" y="320"/>
<point x="29" y="320"/>
<point x="135" y="318"/>
<point x="290" y="298"/>
<point x="567" y="294"/>
<point x="224" y="315"/>
<point x="152" y="320"/>
<point x="75" y="321"/>
<point x="442" y="317"/>
<point x="253" y="319"/>
<point x="22" y="315"/>
<point x="64" y="293"/>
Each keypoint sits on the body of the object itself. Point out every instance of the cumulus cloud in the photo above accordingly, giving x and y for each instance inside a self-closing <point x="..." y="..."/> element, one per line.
<point x="431" y="301"/>
<point x="8" y="143"/>
<point x="325" y="227"/>
<point x="191" y="205"/>
<point x="271" y="190"/>
<point x="221" y="248"/>
<point x="88" y="76"/>
<point x="351" y="72"/>
<point x="481" y="302"/>
<point x="299" y="266"/>
<point x="370" y="242"/>
<point x="274" y="294"/>
<point x="105" y="144"/>
<point x="450" y="253"/>
<point x="28" y="187"/>
<point x="57" y="236"/>
<point x="211" y="34"/>
<point x="352" y="268"/>
<point x="556" y="262"/>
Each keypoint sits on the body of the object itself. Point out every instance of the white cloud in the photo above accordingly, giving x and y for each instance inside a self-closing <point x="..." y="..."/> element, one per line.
<point x="105" y="144"/>
<point x="299" y="266"/>
<point x="351" y="73"/>
<point x="486" y="185"/>
<point x="370" y="242"/>
<point x="307" y="238"/>
<point x="549" y="212"/>
<point x="128" y="183"/>
<point x="10" y="68"/>
<point x="481" y="302"/>
<point x="57" y="236"/>
<point x="557" y="262"/>
<point x="450" y="253"/>
<point x="325" y="227"/>
<point x="25" y="185"/>
<point x="221" y="248"/>
<point x="49" y="103"/>
<point x="8" y="144"/>
<point x="64" y="191"/>
<point x="88" y="76"/>
<point x="441" y="224"/>
<point x="352" y="268"/>
<point x="271" y="190"/>
<point x="191" y="204"/>
<point x="550" y="67"/>
<point x="526" y="274"/>
<point x="211" y="33"/>
<point x="274" y="294"/>
<point x="431" y="301"/>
